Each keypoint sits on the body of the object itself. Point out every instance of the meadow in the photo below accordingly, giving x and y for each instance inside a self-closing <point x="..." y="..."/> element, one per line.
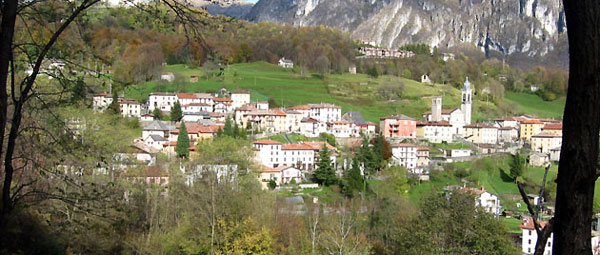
<point x="354" y="92"/>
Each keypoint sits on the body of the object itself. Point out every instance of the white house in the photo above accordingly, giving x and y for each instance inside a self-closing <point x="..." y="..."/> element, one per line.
<point x="486" y="200"/>
<point x="274" y="154"/>
<point x="101" y="101"/>
<point x="222" y="105"/>
<point x="310" y="127"/>
<point x="262" y="105"/>
<point x="155" y="141"/>
<point x="196" y="107"/>
<point x="187" y="98"/>
<point x="545" y="141"/>
<point x="425" y="79"/>
<point x="240" y="97"/>
<point x="508" y="135"/>
<point x="436" y="131"/>
<point x="157" y="127"/>
<point x="405" y="154"/>
<point x="457" y="153"/>
<point x="529" y="237"/>
<point x="324" y="112"/>
<point x="555" y="154"/>
<point x="130" y="108"/>
<point x="481" y="133"/>
<point x="285" y="63"/>
<point x="168" y="76"/>
<point x="164" y="101"/>
<point x="539" y="159"/>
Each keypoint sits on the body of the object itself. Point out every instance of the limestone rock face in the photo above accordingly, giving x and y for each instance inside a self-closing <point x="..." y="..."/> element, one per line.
<point x="526" y="27"/>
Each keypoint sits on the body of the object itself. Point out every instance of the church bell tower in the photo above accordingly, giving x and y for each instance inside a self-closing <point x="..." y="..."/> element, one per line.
<point x="466" y="102"/>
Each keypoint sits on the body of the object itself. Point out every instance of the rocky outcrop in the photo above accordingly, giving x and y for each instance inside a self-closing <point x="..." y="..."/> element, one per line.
<point x="529" y="27"/>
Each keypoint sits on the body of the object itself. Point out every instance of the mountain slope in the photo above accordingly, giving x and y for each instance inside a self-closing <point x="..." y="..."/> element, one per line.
<point x="531" y="27"/>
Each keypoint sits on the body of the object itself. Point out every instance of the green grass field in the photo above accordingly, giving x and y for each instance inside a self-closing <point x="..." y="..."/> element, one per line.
<point x="532" y="104"/>
<point x="354" y="92"/>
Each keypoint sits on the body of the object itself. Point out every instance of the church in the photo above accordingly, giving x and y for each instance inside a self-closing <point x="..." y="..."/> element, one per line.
<point x="457" y="117"/>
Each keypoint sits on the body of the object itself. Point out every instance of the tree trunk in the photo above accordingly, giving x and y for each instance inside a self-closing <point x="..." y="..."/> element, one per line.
<point x="9" y="15"/>
<point x="579" y="154"/>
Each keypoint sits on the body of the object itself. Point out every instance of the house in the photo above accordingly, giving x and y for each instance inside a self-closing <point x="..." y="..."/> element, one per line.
<point x="274" y="154"/>
<point x="130" y="108"/>
<point x="193" y="78"/>
<point x="553" y="128"/>
<point x="324" y="112"/>
<point x="164" y="101"/>
<point x="167" y="76"/>
<point x="481" y="133"/>
<point x="355" y="118"/>
<point x="318" y="146"/>
<point x="435" y="131"/>
<point x="457" y="153"/>
<point x="303" y="109"/>
<point x="187" y="98"/>
<point x="425" y="79"/>
<point x="152" y="175"/>
<point x="405" y="154"/>
<point x="539" y="159"/>
<point x="292" y="120"/>
<point x="262" y="105"/>
<point x="529" y="238"/>
<point x="555" y="154"/>
<point x="197" y="131"/>
<point x="221" y="172"/>
<point x="156" y="141"/>
<point x="157" y="127"/>
<point x="302" y="156"/>
<point x="239" y="114"/>
<point x="507" y="122"/>
<point x="265" y="120"/>
<point x="422" y="157"/>
<point x="486" y="200"/>
<point x="545" y="141"/>
<point x="195" y="116"/>
<point x="352" y="69"/>
<point x="508" y="135"/>
<point x="310" y="127"/>
<point x="342" y="129"/>
<point x="222" y="105"/>
<point x="398" y="126"/>
<point x="290" y="173"/>
<point x="359" y="125"/>
<point x="101" y="101"/>
<point x="530" y="127"/>
<point x="147" y="117"/>
<point x="239" y="98"/>
<point x="485" y="148"/>
<point x="285" y="63"/>
<point x="267" y="174"/>
<point x="196" y="107"/>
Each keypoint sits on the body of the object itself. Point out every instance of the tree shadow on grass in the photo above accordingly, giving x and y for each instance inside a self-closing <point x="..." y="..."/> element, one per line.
<point x="505" y="177"/>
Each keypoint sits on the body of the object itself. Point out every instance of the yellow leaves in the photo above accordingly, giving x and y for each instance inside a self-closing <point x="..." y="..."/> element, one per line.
<point x="245" y="238"/>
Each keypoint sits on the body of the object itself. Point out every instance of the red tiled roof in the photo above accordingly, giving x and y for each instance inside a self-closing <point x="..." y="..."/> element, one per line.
<point x="479" y="125"/>
<point x="267" y="142"/>
<point x="528" y="224"/>
<point x="187" y="96"/>
<point x="553" y="126"/>
<point x="216" y="99"/>
<point x="294" y="146"/>
<point x="300" y="107"/>
<point x="533" y="121"/>
<point x="266" y="169"/>
<point x="420" y="148"/>
<point x="196" y="104"/>
<point x="546" y="134"/>
<point x="442" y="123"/>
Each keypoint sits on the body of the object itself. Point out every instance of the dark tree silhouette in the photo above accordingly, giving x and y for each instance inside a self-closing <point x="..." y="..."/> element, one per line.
<point x="577" y="171"/>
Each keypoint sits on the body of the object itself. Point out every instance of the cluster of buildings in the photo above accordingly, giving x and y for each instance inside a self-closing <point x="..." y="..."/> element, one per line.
<point x="529" y="238"/>
<point x="374" y="52"/>
<point x="440" y="125"/>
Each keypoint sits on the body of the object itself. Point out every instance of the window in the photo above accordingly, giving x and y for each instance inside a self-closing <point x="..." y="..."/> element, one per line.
<point x="529" y="241"/>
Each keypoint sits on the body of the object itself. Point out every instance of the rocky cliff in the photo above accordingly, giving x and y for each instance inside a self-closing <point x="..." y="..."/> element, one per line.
<point x="526" y="27"/>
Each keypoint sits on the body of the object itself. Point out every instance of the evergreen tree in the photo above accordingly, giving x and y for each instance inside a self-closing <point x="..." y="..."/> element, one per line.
<point x="183" y="142"/>
<point x="228" y="130"/>
<point x="353" y="180"/>
<point x="236" y="131"/>
<point x="157" y="114"/>
<point x="367" y="158"/>
<point x="517" y="166"/>
<point x="382" y="151"/>
<point x="176" y="112"/>
<point x="325" y="174"/>
<point x="79" y="92"/>
<point x="113" y="107"/>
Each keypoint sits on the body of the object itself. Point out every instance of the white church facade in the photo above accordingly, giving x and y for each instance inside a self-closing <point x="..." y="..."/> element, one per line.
<point x="457" y="117"/>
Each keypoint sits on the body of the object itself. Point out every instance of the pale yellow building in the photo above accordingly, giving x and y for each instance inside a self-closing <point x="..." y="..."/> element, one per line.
<point x="529" y="128"/>
<point x="545" y="141"/>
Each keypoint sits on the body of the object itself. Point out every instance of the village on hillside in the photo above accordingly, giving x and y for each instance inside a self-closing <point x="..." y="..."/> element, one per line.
<point x="205" y="115"/>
